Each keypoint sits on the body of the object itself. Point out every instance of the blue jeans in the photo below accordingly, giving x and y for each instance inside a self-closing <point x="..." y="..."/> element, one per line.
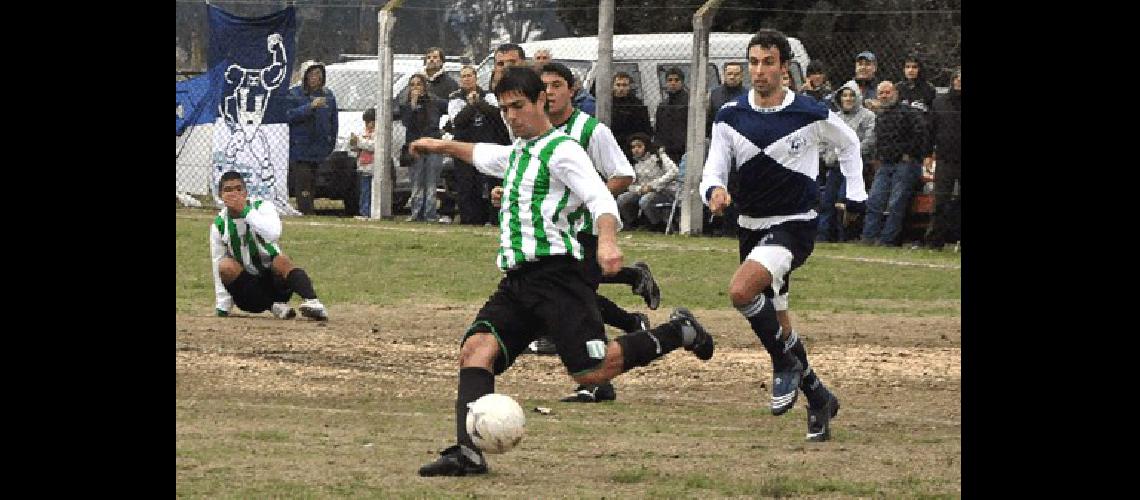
<point x="366" y="194"/>
<point x="834" y="189"/>
<point x="425" y="178"/>
<point x="890" y="193"/>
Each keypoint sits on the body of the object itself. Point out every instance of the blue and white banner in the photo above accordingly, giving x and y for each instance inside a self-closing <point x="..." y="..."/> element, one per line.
<point x="250" y="60"/>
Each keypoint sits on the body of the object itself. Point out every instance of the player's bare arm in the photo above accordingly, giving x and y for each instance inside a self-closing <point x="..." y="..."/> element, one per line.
<point x="609" y="255"/>
<point x="460" y="150"/>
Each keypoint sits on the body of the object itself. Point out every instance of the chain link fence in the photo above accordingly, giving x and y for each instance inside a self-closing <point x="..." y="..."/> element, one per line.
<point x="343" y="35"/>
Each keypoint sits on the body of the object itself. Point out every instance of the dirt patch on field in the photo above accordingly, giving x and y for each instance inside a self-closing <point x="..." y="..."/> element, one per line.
<point x="352" y="406"/>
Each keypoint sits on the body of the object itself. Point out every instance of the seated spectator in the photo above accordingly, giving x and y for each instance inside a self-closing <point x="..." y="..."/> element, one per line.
<point x="656" y="178"/>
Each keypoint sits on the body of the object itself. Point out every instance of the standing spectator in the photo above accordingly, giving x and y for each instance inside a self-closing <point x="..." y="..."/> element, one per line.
<point x="420" y="115"/>
<point x="364" y="146"/>
<point x="900" y="144"/>
<point x="656" y="181"/>
<point x="541" y="57"/>
<point x="630" y="114"/>
<point x="946" y="133"/>
<point x="862" y="121"/>
<point x="506" y="55"/>
<point x="583" y="100"/>
<point x="440" y="84"/>
<point x="865" y="68"/>
<point x="914" y="90"/>
<point x="732" y="88"/>
<point x="817" y="84"/>
<point x="673" y="115"/>
<point x="475" y="120"/>
<point x="313" y="125"/>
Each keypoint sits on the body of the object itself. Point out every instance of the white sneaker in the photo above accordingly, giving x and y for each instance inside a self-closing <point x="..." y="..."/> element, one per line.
<point x="283" y="311"/>
<point x="445" y="220"/>
<point x="312" y="308"/>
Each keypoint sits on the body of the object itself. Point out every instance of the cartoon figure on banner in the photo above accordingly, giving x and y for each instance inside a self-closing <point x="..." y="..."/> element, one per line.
<point x="243" y="112"/>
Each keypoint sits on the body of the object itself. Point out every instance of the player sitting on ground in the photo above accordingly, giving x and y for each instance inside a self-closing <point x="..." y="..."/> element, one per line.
<point x="249" y="269"/>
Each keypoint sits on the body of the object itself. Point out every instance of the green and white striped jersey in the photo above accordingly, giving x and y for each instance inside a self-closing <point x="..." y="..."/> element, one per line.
<point x="250" y="239"/>
<point x="603" y="150"/>
<point x="545" y="179"/>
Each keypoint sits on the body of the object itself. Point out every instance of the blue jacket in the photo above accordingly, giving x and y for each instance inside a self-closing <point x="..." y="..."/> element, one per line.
<point x="585" y="102"/>
<point x="312" y="131"/>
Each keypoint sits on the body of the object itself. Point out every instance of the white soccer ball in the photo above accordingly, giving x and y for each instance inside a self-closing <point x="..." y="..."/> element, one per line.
<point x="496" y="423"/>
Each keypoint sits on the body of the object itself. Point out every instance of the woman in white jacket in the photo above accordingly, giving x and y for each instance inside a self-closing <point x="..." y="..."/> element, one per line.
<point x="655" y="180"/>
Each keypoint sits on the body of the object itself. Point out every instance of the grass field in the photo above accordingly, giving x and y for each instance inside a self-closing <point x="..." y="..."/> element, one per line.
<point x="352" y="407"/>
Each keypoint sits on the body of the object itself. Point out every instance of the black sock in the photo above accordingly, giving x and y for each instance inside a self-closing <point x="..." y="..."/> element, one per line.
<point x="615" y="316"/>
<point x="641" y="348"/>
<point x="628" y="275"/>
<point x="474" y="383"/>
<point x="299" y="281"/>
<point x="811" y="384"/>
<point x="761" y="314"/>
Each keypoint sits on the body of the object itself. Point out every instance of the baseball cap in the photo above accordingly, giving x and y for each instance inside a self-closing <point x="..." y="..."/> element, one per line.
<point x="866" y="54"/>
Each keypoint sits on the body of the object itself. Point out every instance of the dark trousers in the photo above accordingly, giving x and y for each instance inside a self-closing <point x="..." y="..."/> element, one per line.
<point x="945" y="219"/>
<point x="303" y="175"/>
<point x="471" y="189"/>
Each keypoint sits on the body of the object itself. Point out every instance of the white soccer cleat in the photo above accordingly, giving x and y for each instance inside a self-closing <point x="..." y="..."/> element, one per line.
<point x="312" y="308"/>
<point x="283" y="311"/>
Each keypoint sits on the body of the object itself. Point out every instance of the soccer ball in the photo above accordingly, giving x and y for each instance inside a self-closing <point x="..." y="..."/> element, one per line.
<point x="496" y="423"/>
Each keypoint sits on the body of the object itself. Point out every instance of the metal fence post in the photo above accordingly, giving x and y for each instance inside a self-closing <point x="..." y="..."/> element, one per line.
<point x="605" y="70"/>
<point x="692" y="208"/>
<point x="382" y="180"/>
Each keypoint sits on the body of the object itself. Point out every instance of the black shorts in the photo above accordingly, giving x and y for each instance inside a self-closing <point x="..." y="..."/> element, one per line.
<point x="552" y="296"/>
<point x="797" y="236"/>
<point x="257" y="293"/>
<point x="590" y="259"/>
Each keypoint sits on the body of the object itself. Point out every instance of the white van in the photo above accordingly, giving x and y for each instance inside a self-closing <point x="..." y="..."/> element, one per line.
<point x="647" y="57"/>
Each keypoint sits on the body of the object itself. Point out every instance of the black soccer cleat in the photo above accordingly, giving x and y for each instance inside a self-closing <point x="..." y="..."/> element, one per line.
<point x="642" y="322"/>
<point x="647" y="286"/>
<point x="592" y="393"/>
<point x="544" y="346"/>
<point x="452" y="462"/>
<point x="702" y="343"/>
<point x="819" y="420"/>
<point x="785" y="386"/>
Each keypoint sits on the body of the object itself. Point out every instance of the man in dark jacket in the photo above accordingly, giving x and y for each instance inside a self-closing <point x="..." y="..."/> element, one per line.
<point x="900" y="144"/>
<point x="312" y="116"/>
<point x="630" y="114"/>
<point x="817" y="84"/>
<point x="731" y="89"/>
<point x="946" y="134"/>
<point x="440" y="84"/>
<point x="914" y="90"/>
<point x="477" y="121"/>
<point x="673" y="115"/>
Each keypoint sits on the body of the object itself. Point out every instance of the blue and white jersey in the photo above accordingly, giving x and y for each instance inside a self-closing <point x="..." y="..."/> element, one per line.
<point x="776" y="152"/>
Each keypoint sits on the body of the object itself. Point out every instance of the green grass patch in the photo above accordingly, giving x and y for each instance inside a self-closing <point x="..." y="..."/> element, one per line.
<point x="390" y="262"/>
